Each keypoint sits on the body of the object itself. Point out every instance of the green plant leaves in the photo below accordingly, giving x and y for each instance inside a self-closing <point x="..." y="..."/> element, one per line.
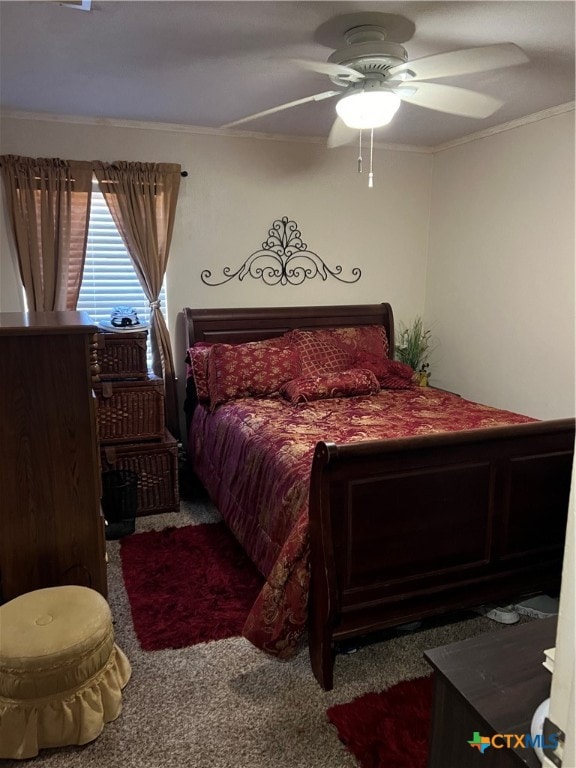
<point x="414" y="345"/>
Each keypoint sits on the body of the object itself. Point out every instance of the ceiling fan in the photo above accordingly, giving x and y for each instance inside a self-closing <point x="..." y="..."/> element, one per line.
<point x="377" y="76"/>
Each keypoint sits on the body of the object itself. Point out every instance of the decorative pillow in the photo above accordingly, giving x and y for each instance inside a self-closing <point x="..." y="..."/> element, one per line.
<point x="336" y="384"/>
<point x="321" y="352"/>
<point x="391" y="374"/>
<point x="363" y="338"/>
<point x="251" y="369"/>
<point x="198" y="368"/>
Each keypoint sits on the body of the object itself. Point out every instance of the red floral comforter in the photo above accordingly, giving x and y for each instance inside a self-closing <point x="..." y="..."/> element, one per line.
<point x="254" y="457"/>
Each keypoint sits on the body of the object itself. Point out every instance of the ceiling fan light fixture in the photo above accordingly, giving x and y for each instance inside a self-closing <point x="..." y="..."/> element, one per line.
<point x="368" y="109"/>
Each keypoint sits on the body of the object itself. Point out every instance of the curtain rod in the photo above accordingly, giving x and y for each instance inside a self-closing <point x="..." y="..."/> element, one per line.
<point x="182" y="173"/>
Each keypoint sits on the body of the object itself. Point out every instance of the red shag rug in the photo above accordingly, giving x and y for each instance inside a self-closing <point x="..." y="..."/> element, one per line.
<point x="388" y="729"/>
<point x="187" y="585"/>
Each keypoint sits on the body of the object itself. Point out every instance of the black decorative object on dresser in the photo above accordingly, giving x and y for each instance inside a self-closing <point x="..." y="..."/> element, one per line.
<point x="133" y="436"/>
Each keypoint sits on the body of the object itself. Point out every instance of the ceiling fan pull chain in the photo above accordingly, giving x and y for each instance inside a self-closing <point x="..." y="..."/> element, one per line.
<point x="360" y="153"/>
<point x="371" y="175"/>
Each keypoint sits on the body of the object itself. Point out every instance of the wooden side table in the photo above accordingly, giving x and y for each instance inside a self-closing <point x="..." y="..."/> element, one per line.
<point x="492" y="684"/>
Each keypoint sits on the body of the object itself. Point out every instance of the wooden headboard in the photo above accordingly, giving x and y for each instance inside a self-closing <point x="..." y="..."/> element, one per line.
<point x="236" y="326"/>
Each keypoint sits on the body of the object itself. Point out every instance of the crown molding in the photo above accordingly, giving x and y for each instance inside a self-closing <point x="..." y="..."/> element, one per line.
<point x="526" y="120"/>
<point x="241" y="134"/>
<point x="147" y="125"/>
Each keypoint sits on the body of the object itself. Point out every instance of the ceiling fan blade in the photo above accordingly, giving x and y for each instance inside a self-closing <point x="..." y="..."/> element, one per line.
<point x="80" y="5"/>
<point x="448" y="98"/>
<point x="340" y="134"/>
<point x="288" y="105"/>
<point x="327" y="68"/>
<point x="463" y="62"/>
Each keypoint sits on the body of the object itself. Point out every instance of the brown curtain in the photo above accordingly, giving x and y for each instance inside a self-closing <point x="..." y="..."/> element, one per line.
<point x="142" y="199"/>
<point x="49" y="204"/>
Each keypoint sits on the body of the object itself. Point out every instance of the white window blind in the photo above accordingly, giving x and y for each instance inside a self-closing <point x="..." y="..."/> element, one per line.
<point x="109" y="279"/>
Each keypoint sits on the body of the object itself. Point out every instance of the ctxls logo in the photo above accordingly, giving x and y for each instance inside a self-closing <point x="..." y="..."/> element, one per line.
<point x="512" y="741"/>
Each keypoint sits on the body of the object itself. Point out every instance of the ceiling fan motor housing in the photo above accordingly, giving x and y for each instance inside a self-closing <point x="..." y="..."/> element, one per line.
<point x="367" y="52"/>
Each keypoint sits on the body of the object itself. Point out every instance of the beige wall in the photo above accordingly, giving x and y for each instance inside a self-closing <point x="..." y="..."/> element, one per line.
<point x="500" y="281"/>
<point x="237" y="187"/>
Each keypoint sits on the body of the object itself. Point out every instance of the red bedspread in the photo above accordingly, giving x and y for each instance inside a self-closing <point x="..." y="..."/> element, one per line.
<point x="254" y="457"/>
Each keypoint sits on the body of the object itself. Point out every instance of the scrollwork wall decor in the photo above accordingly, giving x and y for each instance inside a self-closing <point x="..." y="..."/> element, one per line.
<point x="284" y="259"/>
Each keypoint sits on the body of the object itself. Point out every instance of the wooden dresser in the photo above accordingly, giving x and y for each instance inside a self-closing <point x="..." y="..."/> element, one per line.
<point x="51" y="523"/>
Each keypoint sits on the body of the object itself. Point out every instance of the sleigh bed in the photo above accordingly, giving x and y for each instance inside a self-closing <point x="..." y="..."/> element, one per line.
<point x="377" y="509"/>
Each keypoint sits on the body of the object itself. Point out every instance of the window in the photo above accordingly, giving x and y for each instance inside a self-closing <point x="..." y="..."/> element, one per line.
<point x="109" y="278"/>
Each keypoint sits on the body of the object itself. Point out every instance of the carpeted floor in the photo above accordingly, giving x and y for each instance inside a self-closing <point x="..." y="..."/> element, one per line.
<point x="226" y="705"/>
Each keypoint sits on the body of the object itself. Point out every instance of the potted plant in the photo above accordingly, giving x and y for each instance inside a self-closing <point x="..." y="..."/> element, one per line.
<point x="413" y="348"/>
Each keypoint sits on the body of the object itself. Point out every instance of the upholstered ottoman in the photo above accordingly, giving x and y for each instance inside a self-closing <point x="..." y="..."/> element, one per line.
<point x="61" y="673"/>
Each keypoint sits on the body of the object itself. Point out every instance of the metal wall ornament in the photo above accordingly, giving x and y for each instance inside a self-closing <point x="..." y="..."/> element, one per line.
<point x="284" y="259"/>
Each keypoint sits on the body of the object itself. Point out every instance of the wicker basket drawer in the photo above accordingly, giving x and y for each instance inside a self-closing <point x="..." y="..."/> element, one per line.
<point x="156" y="465"/>
<point x="130" y="411"/>
<point x="122" y="355"/>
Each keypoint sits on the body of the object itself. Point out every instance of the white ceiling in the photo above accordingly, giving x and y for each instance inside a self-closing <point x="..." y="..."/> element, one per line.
<point x="205" y="63"/>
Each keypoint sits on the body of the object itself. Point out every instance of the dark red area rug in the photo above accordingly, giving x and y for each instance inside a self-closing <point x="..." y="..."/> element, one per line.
<point x="187" y="585"/>
<point x="388" y="729"/>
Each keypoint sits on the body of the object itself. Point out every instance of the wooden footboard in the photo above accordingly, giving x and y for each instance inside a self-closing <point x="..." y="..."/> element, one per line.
<point x="408" y="528"/>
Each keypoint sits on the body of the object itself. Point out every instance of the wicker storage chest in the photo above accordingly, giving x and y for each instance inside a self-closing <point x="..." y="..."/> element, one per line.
<point x="156" y="465"/>
<point x="122" y="355"/>
<point x="130" y="411"/>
